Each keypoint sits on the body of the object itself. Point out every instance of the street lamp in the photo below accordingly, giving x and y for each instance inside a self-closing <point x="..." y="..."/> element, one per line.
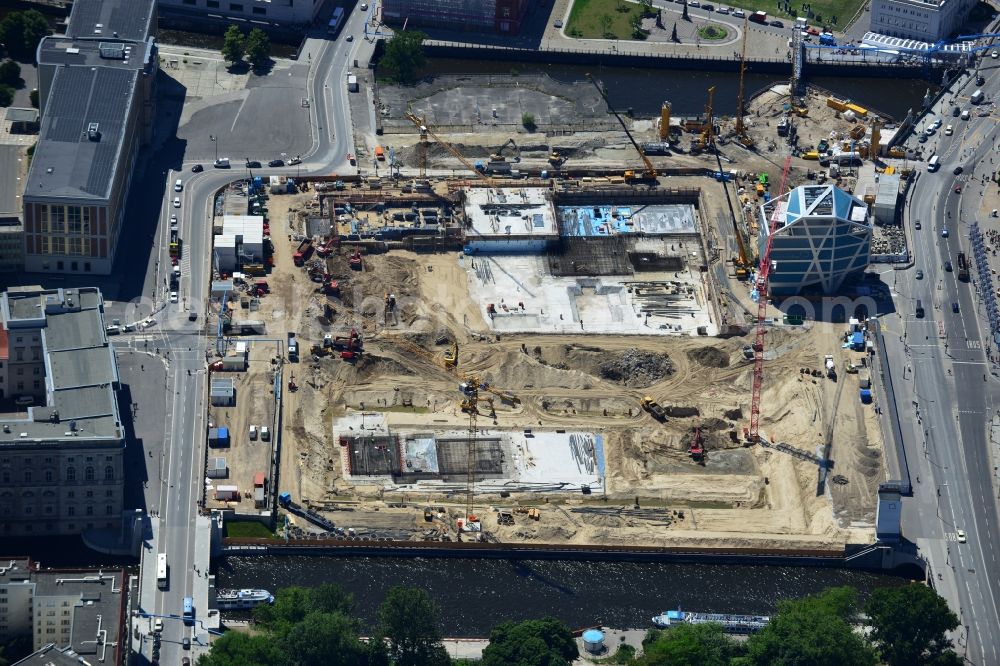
<point x="215" y="141"/>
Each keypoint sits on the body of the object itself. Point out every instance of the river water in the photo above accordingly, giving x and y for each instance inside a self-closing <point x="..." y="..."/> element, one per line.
<point x="645" y="89"/>
<point x="476" y="594"/>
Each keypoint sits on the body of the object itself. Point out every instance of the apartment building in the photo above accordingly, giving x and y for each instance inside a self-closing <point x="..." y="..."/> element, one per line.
<point x="96" y="90"/>
<point x="61" y="467"/>
<point x="500" y="16"/>
<point x="923" y="20"/>
<point x="266" y="12"/>
<point x="11" y="230"/>
<point x="69" y="614"/>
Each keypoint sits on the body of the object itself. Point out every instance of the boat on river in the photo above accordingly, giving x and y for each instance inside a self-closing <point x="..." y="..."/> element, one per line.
<point x="242" y="599"/>
<point x="732" y="624"/>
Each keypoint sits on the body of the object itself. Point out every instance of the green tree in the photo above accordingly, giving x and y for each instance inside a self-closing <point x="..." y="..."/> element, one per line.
<point x="326" y="638"/>
<point x="10" y="72"/>
<point x="909" y="624"/>
<point x="258" y="48"/>
<point x="20" y="32"/>
<point x="407" y="620"/>
<point x="689" y="645"/>
<point x="233" y="45"/>
<point x="635" y="22"/>
<point x="6" y="95"/>
<point x="815" y="630"/>
<point x="239" y="649"/>
<point x="292" y="605"/>
<point x="545" y="642"/>
<point x="528" y="120"/>
<point x="404" y="55"/>
<point x="647" y="7"/>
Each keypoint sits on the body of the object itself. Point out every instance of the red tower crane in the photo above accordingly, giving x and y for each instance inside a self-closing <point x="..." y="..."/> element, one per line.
<point x="753" y="435"/>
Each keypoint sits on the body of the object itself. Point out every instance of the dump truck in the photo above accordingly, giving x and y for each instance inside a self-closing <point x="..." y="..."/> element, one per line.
<point x="303" y="252"/>
<point x="831" y="367"/>
<point x="654" y="408"/>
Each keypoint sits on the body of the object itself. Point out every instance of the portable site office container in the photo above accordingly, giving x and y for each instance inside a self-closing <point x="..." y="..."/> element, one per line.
<point x="259" y="499"/>
<point x="218" y="437"/>
<point x="227" y="492"/>
<point x="217" y="468"/>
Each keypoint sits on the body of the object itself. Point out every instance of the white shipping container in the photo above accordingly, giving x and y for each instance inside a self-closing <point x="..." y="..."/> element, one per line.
<point x="227" y="492"/>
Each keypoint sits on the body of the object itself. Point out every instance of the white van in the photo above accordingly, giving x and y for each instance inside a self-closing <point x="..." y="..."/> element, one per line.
<point x="977" y="97"/>
<point x="934" y="163"/>
<point x="222" y="163"/>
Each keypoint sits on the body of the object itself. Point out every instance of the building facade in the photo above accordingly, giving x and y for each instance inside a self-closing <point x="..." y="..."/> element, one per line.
<point x="924" y="20"/>
<point x="11" y="229"/>
<point x="96" y="90"/>
<point x="286" y="12"/>
<point x="78" y="613"/>
<point x="61" y="462"/>
<point x="822" y="236"/>
<point x="501" y="16"/>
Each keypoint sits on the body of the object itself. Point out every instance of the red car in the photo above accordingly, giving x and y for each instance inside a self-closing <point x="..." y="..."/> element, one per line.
<point x="350" y="158"/>
<point x="173" y="261"/>
<point x="958" y="189"/>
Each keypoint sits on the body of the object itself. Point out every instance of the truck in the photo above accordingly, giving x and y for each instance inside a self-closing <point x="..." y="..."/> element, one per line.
<point x="963" y="267"/>
<point x="977" y="97"/>
<point x="352" y="83"/>
<point x="831" y="367"/>
<point x="827" y="39"/>
<point x="293" y="348"/>
<point x="654" y="409"/>
<point x="303" y="252"/>
<point x="758" y="17"/>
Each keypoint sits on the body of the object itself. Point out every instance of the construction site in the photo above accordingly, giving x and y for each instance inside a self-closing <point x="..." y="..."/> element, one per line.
<point x="536" y="344"/>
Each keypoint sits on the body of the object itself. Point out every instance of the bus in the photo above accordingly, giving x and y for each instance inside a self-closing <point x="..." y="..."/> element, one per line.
<point x="333" y="27"/>
<point x="188" y="611"/>
<point x="161" y="571"/>
<point x="963" y="267"/>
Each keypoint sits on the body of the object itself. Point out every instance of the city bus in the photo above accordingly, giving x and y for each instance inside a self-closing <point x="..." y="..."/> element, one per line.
<point x="161" y="571"/>
<point x="188" y="611"/>
<point x="333" y="27"/>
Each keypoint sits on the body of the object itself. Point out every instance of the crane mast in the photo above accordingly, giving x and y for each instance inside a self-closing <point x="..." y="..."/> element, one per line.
<point x="753" y="435"/>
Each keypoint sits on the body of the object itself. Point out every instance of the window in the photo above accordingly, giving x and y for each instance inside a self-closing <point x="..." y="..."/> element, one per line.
<point x="90" y="510"/>
<point x="48" y="476"/>
<point x="108" y="510"/>
<point x="71" y="474"/>
<point x="48" y="510"/>
<point x="212" y="4"/>
<point x="27" y="476"/>
<point x="38" y="384"/>
<point x="109" y="473"/>
<point x="188" y="2"/>
<point x="86" y="266"/>
<point x="109" y="493"/>
<point x="6" y="477"/>
<point x="88" y="474"/>
<point x="74" y="266"/>
<point x="73" y="221"/>
<point x="260" y="10"/>
<point x="235" y="7"/>
<point x="90" y="493"/>
<point x="37" y="370"/>
<point x="71" y="511"/>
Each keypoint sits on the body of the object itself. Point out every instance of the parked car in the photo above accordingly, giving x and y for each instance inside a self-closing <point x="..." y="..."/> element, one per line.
<point x="197" y="168"/>
<point x="722" y="10"/>
<point x="958" y="189"/>
<point x="265" y="434"/>
<point x="253" y="433"/>
<point x="937" y="124"/>
<point x="222" y="163"/>
<point x="777" y="24"/>
<point x="708" y="8"/>
<point x="958" y="170"/>
<point x="922" y="139"/>
<point x="253" y="164"/>
<point x="276" y="163"/>
<point x="947" y="266"/>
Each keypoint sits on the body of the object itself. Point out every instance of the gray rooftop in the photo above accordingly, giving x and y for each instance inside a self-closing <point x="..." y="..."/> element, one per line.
<point x="81" y="374"/>
<point x="10" y="206"/>
<point x="50" y="655"/>
<point x="68" y="162"/>
<point x="14" y="569"/>
<point x="126" y="19"/>
<point x="16" y="114"/>
<point x="99" y="606"/>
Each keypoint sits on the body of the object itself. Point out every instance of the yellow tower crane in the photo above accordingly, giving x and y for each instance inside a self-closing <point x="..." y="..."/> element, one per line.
<point x="741" y="131"/>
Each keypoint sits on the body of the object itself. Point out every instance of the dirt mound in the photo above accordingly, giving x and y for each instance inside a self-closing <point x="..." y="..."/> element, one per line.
<point x="368" y="367"/>
<point x="710" y="357"/>
<point x="637" y="368"/>
<point x="733" y="414"/>
<point x="679" y="412"/>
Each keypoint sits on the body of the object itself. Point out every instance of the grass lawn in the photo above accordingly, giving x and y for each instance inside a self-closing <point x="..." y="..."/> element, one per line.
<point x="712" y="32"/>
<point x="589" y="17"/>
<point x="248" y="530"/>
<point x="844" y="10"/>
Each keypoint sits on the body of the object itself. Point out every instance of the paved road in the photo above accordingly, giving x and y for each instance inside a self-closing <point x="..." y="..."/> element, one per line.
<point x="186" y="342"/>
<point x="946" y="386"/>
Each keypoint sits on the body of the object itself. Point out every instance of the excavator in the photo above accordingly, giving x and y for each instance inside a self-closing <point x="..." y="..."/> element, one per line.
<point x="649" y="173"/>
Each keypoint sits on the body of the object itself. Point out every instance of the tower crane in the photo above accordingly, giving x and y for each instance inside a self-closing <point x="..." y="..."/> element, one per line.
<point x="650" y="171"/>
<point x="741" y="130"/>
<point x="753" y="434"/>
<point x="425" y="131"/>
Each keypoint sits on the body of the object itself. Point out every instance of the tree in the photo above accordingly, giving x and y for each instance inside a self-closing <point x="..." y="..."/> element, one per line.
<point x="909" y="624"/>
<point x="407" y="620"/>
<point x="635" y="22"/>
<point x="6" y="95"/>
<point x="647" y="7"/>
<point x="545" y="642"/>
<point x="528" y="120"/>
<point x="673" y="34"/>
<point x="685" y="16"/>
<point x="258" y="48"/>
<point x="404" y="55"/>
<point x="233" y="45"/>
<point x="239" y="649"/>
<point x="815" y="630"/>
<point x="292" y="605"/>
<point x="326" y="638"/>
<point x="10" y="72"/>
<point x="689" y="645"/>
<point x="20" y="32"/>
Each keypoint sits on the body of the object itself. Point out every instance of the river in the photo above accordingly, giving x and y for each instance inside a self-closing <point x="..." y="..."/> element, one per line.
<point x="476" y="594"/>
<point x="644" y="89"/>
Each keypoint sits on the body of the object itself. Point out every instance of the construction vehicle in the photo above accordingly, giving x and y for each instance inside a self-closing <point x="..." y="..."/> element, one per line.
<point x="831" y="367"/>
<point x="555" y="158"/>
<point x="705" y="136"/>
<point x="697" y="448"/>
<point x="741" y="131"/>
<point x="753" y="432"/>
<point x="426" y="131"/>
<point x="499" y="156"/>
<point x="451" y="355"/>
<point x="303" y="252"/>
<point x="649" y="173"/>
<point x="319" y="351"/>
<point x="654" y="408"/>
<point x="351" y="342"/>
<point x="354" y="261"/>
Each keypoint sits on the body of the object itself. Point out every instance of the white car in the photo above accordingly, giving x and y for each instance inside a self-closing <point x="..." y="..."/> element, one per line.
<point x="722" y="10"/>
<point x="994" y="54"/>
<point x="960" y="534"/>
<point x="173" y="297"/>
<point x="364" y="6"/>
<point x="930" y="131"/>
<point x="173" y="220"/>
<point x="178" y="185"/>
<point x="253" y="433"/>
<point x="949" y="130"/>
<point x="158" y="625"/>
<point x="177" y="202"/>
<point x="694" y="3"/>
<point x="965" y="114"/>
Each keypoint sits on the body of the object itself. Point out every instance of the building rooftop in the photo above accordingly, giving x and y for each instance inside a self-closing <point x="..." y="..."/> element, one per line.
<point x="510" y="212"/>
<point x="124" y="19"/>
<point x="50" y="655"/>
<point x="98" y="609"/>
<point x="81" y="375"/>
<point x="888" y="189"/>
<point x="10" y="183"/>
<point x="82" y="133"/>
<point x="814" y="201"/>
<point x="14" y="570"/>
